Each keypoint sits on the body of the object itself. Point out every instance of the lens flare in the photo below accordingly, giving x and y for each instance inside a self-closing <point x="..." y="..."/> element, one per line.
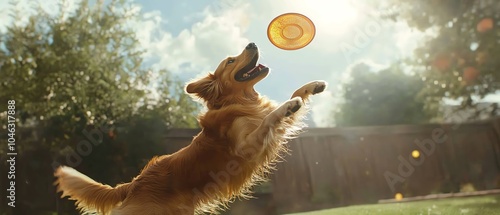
<point x="398" y="196"/>
<point x="415" y="154"/>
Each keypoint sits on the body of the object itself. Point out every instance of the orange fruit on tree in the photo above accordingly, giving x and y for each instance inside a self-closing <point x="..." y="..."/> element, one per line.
<point x="484" y="25"/>
<point x="441" y="62"/>
<point x="470" y="74"/>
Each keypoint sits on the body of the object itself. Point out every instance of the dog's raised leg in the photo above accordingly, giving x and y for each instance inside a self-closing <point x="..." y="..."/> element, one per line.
<point x="309" y="89"/>
<point x="255" y="142"/>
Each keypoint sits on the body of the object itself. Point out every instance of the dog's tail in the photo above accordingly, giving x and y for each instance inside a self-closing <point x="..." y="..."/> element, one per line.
<point x="89" y="194"/>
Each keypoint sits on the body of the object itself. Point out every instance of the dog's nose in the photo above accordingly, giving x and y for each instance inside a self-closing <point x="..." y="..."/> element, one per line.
<point x="251" y="46"/>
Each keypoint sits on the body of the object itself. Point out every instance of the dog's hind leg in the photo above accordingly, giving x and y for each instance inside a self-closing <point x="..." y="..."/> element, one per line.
<point x="255" y="142"/>
<point x="308" y="89"/>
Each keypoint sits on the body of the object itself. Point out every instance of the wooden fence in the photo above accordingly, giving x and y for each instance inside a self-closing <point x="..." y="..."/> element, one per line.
<point x="327" y="167"/>
<point x="331" y="167"/>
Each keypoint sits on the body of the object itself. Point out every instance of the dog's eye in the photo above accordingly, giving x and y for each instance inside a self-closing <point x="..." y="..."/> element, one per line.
<point x="230" y="61"/>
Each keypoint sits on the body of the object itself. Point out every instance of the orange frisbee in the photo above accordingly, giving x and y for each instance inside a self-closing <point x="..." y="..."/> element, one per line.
<point x="291" y="31"/>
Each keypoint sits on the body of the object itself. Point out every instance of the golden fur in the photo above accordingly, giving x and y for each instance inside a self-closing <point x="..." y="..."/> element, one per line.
<point x="243" y="135"/>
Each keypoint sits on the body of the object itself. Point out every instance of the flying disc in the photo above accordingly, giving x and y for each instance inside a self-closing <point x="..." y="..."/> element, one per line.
<point x="291" y="31"/>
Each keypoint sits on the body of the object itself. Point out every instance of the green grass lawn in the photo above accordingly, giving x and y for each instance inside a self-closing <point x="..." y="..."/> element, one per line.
<point x="482" y="205"/>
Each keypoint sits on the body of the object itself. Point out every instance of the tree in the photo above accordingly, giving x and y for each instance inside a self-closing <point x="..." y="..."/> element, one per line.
<point x="386" y="97"/>
<point x="459" y="60"/>
<point x="79" y="69"/>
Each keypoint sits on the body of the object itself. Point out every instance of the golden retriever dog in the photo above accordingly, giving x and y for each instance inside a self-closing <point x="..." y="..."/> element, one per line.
<point x="243" y="134"/>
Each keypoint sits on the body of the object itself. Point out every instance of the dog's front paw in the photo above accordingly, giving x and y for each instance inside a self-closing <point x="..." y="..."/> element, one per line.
<point x="311" y="88"/>
<point x="287" y="109"/>
<point x="316" y="87"/>
<point x="293" y="105"/>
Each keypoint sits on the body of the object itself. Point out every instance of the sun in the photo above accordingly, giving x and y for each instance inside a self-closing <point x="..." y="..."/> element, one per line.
<point x="329" y="16"/>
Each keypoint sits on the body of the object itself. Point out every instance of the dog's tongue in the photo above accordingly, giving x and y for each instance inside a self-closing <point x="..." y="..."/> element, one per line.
<point x="257" y="68"/>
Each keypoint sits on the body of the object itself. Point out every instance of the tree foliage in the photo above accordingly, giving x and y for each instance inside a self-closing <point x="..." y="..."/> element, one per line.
<point x="459" y="59"/>
<point x="83" y="68"/>
<point x="385" y="97"/>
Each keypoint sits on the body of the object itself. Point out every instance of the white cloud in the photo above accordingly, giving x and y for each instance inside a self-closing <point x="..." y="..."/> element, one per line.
<point x="149" y="33"/>
<point x="4" y="15"/>
<point x="23" y="9"/>
<point x="322" y="108"/>
<point x="372" y="66"/>
<point x="198" y="48"/>
<point x="407" y="39"/>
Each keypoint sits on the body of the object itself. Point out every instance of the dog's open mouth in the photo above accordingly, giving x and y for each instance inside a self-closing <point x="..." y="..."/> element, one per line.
<point x="251" y="70"/>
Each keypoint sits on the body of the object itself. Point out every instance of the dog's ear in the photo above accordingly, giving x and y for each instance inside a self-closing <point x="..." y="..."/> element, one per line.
<point x="206" y="88"/>
<point x="201" y="85"/>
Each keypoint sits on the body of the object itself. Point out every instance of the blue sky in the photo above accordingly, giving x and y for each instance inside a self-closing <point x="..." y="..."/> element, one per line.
<point x="189" y="38"/>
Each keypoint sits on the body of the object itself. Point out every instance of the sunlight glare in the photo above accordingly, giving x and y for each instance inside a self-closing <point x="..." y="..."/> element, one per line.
<point x="331" y="16"/>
